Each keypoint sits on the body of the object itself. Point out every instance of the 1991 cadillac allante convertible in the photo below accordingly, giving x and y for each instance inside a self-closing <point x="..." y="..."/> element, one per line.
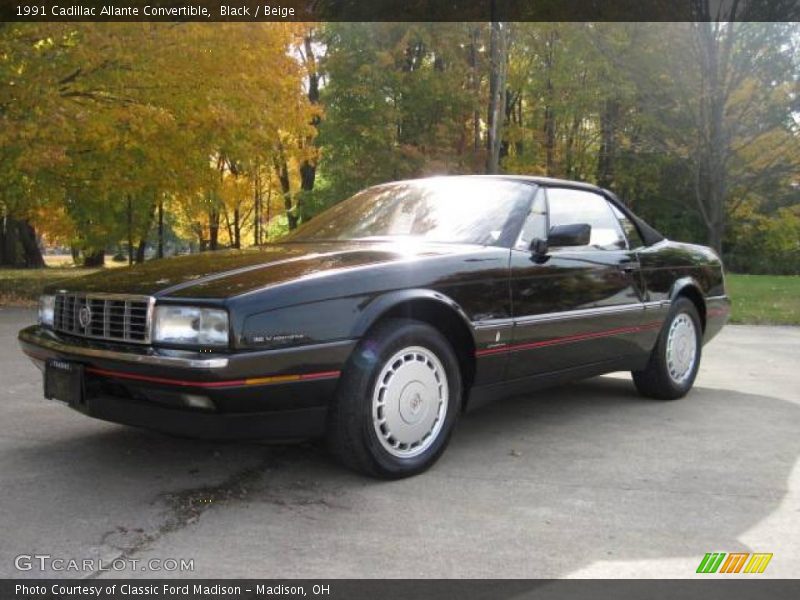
<point x="377" y="322"/>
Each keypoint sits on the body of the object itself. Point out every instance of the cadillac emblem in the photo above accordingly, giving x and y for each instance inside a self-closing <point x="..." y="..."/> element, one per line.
<point x="85" y="316"/>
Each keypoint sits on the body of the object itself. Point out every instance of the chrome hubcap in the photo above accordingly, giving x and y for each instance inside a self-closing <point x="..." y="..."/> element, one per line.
<point x="409" y="402"/>
<point x="681" y="348"/>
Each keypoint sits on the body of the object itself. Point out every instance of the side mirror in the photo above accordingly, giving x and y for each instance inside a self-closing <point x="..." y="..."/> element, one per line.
<point x="538" y="246"/>
<point x="577" y="234"/>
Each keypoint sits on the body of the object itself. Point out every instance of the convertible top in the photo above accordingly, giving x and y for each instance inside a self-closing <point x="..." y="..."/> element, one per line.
<point x="649" y="234"/>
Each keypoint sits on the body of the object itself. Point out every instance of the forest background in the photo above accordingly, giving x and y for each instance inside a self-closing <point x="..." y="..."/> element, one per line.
<point x="142" y="140"/>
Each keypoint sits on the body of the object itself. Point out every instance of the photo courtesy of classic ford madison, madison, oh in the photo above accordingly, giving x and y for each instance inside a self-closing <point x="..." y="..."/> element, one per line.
<point x="377" y="322"/>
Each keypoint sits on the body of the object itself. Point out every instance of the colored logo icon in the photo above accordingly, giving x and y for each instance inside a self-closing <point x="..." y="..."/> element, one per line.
<point x="734" y="562"/>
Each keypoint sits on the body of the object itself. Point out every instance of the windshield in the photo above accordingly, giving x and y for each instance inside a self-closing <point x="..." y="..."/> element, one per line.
<point x="463" y="210"/>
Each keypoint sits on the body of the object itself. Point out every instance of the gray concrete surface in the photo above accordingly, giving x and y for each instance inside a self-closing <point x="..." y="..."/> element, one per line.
<point x="587" y="480"/>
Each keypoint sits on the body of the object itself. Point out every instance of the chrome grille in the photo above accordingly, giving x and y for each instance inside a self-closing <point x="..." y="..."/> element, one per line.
<point x="112" y="317"/>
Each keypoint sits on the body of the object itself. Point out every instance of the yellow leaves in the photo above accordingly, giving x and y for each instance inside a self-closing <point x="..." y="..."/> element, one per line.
<point x="55" y="221"/>
<point x="138" y="109"/>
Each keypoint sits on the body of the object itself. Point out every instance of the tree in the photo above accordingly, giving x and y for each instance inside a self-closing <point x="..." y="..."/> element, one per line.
<point x="721" y="96"/>
<point x="498" y="61"/>
<point x="106" y="118"/>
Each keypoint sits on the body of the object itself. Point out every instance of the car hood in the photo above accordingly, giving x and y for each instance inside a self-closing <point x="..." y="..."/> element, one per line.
<point x="219" y="275"/>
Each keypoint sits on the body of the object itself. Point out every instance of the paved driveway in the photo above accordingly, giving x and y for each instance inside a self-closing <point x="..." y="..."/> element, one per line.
<point x="584" y="480"/>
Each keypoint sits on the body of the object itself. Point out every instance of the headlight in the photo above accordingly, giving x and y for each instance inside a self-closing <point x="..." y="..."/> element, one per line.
<point x="47" y="307"/>
<point x="191" y="325"/>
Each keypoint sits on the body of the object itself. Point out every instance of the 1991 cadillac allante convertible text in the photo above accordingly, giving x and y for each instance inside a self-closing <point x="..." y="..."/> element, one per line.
<point x="379" y="320"/>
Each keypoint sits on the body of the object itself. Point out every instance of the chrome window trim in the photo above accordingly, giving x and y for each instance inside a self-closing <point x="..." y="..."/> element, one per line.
<point x="526" y="248"/>
<point x="580" y="313"/>
<point x="588" y="247"/>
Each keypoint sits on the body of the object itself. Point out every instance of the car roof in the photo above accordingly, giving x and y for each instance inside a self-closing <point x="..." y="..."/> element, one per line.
<point x="529" y="179"/>
<point x="649" y="233"/>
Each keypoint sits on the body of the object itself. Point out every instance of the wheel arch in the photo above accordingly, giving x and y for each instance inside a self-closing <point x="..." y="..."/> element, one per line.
<point x="689" y="288"/>
<point x="431" y="307"/>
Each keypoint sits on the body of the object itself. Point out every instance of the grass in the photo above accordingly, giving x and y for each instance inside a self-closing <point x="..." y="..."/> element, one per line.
<point x="757" y="299"/>
<point x="22" y="287"/>
<point x="765" y="299"/>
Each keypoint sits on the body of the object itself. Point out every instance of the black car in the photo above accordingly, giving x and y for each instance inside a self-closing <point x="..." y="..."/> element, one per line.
<point x="377" y="322"/>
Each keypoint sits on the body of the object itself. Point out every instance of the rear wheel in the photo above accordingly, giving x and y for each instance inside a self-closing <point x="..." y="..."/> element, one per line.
<point x="397" y="401"/>
<point x="675" y="360"/>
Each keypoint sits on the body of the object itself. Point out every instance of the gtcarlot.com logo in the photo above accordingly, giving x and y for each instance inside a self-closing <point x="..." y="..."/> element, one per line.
<point x="47" y="562"/>
<point x="734" y="562"/>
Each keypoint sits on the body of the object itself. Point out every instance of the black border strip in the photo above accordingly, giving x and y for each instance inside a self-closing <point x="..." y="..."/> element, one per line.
<point x="403" y="10"/>
<point x="710" y="587"/>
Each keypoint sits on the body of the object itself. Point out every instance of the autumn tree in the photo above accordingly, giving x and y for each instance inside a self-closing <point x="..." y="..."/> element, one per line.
<point x="106" y="119"/>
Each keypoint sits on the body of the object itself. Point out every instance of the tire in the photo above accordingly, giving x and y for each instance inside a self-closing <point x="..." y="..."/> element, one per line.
<point x="402" y="381"/>
<point x="673" y="364"/>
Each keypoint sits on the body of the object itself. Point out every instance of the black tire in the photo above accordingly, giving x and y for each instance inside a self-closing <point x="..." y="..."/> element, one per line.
<point x="654" y="380"/>
<point x="351" y="433"/>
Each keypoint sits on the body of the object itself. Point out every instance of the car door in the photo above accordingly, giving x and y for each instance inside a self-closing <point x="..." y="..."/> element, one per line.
<point x="573" y="306"/>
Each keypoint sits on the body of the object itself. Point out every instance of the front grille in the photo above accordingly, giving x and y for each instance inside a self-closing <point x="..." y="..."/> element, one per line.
<point x="104" y="316"/>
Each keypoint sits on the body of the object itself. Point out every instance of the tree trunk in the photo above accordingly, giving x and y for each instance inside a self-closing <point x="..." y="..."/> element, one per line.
<point x="569" y="150"/>
<point x="308" y="168"/>
<point x="608" y="143"/>
<point x="160" y="250"/>
<point x="237" y="229"/>
<point x="141" y="248"/>
<point x="283" y="177"/>
<point x="714" y="43"/>
<point x="269" y="213"/>
<point x="257" y="207"/>
<point x="213" y="229"/>
<point x="497" y="86"/>
<point x="228" y="225"/>
<point x="476" y="88"/>
<point x="549" y="111"/>
<point x="509" y="118"/>
<point x="18" y="245"/>
<point x="97" y="258"/>
<point x="130" y="230"/>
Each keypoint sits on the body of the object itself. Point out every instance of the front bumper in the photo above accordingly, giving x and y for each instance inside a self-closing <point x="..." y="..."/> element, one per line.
<point x="276" y="394"/>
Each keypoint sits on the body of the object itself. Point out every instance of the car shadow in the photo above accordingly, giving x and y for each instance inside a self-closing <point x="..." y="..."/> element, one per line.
<point x="608" y="475"/>
<point x="531" y="486"/>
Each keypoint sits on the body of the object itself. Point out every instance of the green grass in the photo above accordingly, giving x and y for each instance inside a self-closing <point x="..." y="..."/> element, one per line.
<point x="765" y="299"/>
<point x="23" y="286"/>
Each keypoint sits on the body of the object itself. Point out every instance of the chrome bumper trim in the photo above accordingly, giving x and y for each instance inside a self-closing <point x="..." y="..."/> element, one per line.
<point x="163" y="360"/>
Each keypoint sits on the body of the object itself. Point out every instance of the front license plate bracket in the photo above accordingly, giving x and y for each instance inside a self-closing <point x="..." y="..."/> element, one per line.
<point x="63" y="381"/>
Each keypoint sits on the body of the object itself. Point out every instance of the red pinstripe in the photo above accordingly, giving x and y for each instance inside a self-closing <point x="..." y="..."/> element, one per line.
<point x="578" y="337"/>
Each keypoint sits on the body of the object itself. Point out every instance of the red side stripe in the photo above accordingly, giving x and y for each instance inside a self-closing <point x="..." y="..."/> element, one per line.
<point x="164" y="380"/>
<point x="320" y="375"/>
<point x="207" y="384"/>
<point x="569" y="338"/>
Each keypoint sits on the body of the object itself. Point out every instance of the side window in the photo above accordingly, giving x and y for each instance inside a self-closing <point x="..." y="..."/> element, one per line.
<point x="569" y="207"/>
<point x="634" y="237"/>
<point x="535" y="225"/>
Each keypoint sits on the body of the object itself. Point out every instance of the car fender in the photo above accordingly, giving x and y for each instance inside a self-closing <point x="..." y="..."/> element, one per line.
<point x="383" y="304"/>
<point x="682" y="285"/>
<point x="690" y="287"/>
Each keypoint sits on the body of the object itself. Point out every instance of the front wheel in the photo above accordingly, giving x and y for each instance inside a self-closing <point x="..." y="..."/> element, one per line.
<point x="397" y="401"/>
<point x="675" y="360"/>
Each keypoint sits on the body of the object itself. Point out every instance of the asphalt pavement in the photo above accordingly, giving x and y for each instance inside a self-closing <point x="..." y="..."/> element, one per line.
<point x="585" y="480"/>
